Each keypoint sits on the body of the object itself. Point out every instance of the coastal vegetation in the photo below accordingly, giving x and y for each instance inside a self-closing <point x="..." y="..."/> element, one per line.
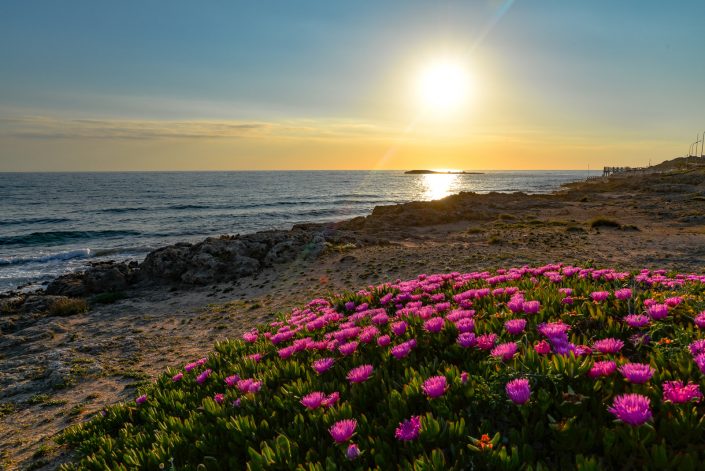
<point x="555" y="367"/>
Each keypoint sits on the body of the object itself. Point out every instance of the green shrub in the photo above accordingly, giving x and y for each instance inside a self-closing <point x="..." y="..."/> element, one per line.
<point x="604" y="222"/>
<point x="68" y="307"/>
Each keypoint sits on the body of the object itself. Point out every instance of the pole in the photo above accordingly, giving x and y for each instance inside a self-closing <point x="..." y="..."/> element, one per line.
<point x="702" y="147"/>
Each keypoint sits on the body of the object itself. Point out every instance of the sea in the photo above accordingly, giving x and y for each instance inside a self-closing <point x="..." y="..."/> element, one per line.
<point x="54" y="223"/>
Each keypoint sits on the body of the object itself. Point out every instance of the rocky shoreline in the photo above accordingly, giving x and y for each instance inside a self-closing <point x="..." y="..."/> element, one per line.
<point x="90" y="338"/>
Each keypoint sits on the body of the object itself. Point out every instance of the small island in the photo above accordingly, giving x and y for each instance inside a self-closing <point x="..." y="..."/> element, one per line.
<point x="433" y="172"/>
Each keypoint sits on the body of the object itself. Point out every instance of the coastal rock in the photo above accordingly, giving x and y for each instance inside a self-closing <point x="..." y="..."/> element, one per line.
<point x="228" y="257"/>
<point x="101" y="277"/>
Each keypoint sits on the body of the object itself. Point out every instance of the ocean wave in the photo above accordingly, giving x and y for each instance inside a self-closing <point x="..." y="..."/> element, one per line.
<point x="122" y="210"/>
<point x="81" y="253"/>
<point x="16" y="222"/>
<point x="59" y="237"/>
<point x="72" y="254"/>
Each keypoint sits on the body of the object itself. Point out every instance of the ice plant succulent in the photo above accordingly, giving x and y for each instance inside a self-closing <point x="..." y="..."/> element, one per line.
<point x="637" y="373"/>
<point x="323" y="365"/>
<point x="657" y="311"/>
<point x="467" y="340"/>
<point x="360" y="374"/>
<point x="637" y="320"/>
<point x="518" y="390"/>
<point x="609" y="345"/>
<point x="343" y="430"/>
<point x="505" y="351"/>
<point x="602" y="368"/>
<point x="599" y="296"/>
<point x="678" y="393"/>
<point x="435" y="386"/>
<point x="409" y="429"/>
<point x="515" y="326"/>
<point x="632" y="409"/>
<point x="391" y="326"/>
<point x="352" y="452"/>
<point x="313" y="400"/>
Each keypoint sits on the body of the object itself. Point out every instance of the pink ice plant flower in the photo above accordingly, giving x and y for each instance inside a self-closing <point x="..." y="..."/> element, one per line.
<point x="608" y="345"/>
<point x="518" y="390"/>
<point x="599" y="296"/>
<point x="383" y="340"/>
<point x="677" y="393"/>
<point x="486" y="341"/>
<point x="433" y="325"/>
<point x="637" y="320"/>
<point x="465" y="325"/>
<point x="409" y="429"/>
<point x="398" y="328"/>
<point x="250" y="337"/>
<point x="542" y="347"/>
<point x="467" y="340"/>
<point x="464" y="377"/>
<point x="249" y="386"/>
<point x="632" y="409"/>
<point x="700" y="361"/>
<point x="348" y="348"/>
<point x="360" y="374"/>
<point x="697" y="347"/>
<point x="403" y="349"/>
<point x="352" y="452"/>
<point x="623" y="294"/>
<point x="637" y="373"/>
<point x="323" y="365"/>
<point x="531" y="307"/>
<point x="505" y="351"/>
<point x="177" y="377"/>
<point x="435" y="386"/>
<point x="343" y="430"/>
<point x="657" y="311"/>
<point x="331" y="399"/>
<point x="700" y="320"/>
<point x="141" y="399"/>
<point x="674" y="301"/>
<point x="231" y="381"/>
<point x="313" y="400"/>
<point x="602" y="368"/>
<point x="219" y="398"/>
<point x="201" y="378"/>
<point x="515" y="326"/>
<point x="256" y="357"/>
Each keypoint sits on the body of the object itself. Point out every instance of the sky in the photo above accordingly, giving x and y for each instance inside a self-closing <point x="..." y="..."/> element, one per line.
<point x="89" y="85"/>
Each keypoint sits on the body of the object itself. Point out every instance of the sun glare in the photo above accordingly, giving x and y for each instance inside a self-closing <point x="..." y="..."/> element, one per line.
<point x="444" y="85"/>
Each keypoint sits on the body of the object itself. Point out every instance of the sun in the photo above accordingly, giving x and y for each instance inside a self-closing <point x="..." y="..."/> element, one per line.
<point x="444" y="85"/>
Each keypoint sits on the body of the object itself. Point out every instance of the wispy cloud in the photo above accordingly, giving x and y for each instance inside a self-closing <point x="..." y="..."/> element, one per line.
<point x="40" y="127"/>
<point x="48" y="128"/>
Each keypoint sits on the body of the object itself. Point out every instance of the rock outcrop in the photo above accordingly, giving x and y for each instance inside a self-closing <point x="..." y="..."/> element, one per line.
<point x="100" y="277"/>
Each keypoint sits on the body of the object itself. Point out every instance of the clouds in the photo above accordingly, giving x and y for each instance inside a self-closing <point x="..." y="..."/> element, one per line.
<point x="40" y="127"/>
<point x="58" y="128"/>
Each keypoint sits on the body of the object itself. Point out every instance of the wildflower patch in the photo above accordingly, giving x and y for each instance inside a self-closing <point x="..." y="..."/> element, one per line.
<point x="555" y="367"/>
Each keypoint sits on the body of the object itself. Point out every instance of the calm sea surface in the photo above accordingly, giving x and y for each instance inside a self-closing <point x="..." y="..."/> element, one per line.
<point x="51" y="223"/>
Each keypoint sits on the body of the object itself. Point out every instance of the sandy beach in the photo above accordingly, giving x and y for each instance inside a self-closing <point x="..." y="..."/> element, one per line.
<point x="56" y="371"/>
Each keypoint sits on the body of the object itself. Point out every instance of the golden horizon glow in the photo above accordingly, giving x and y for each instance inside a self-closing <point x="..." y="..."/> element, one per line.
<point x="444" y="85"/>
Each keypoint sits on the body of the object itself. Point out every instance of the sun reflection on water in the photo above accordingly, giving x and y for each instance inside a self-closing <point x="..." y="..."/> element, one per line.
<point x="437" y="186"/>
